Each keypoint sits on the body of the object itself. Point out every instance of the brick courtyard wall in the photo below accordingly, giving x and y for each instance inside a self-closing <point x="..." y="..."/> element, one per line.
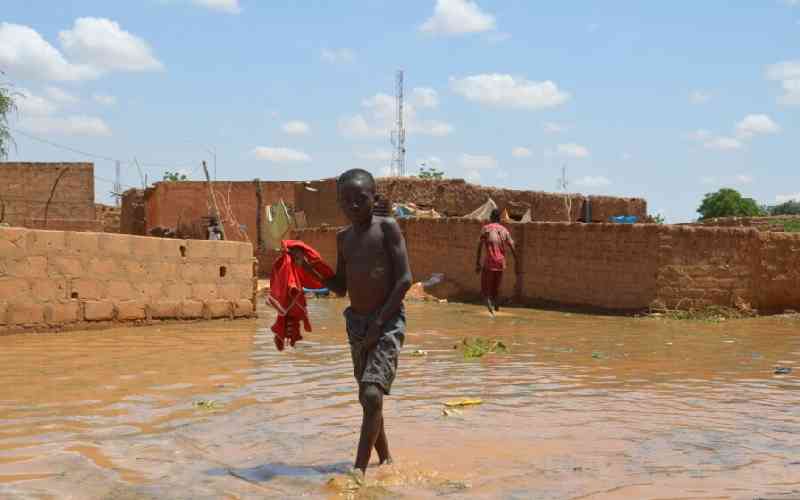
<point x="621" y="267"/>
<point x="779" y="271"/>
<point x="168" y="203"/>
<point x="132" y="220"/>
<point x="25" y="189"/>
<point x="455" y="197"/>
<point x="774" y="223"/>
<point x="58" y="279"/>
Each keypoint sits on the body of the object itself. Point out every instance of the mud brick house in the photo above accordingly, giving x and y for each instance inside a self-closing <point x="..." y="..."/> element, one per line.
<point x="48" y="196"/>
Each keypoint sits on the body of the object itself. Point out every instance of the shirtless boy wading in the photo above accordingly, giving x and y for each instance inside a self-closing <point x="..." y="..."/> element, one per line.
<point x="372" y="268"/>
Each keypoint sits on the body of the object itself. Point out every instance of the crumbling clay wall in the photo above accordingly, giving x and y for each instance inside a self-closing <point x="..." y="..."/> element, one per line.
<point x="168" y="204"/>
<point x="455" y="198"/>
<point x="57" y="279"/>
<point x="623" y="267"/>
<point x="132" y="219"/>
<point x="774" y="223"/>
<point x="25" y="189"/>
<point x="779" y="271"/>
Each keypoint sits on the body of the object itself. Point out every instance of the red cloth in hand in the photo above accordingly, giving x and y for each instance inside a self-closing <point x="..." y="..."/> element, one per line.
<point x="286" y="291"/>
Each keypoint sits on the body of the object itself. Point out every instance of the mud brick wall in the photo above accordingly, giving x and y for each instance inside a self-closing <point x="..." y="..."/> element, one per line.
<point x="779" y="271"/>
<point x="455" y="198"/>
<point x="26" y="187"/>
<point x="167" y="203"/>
<point x="132" y="220"/>
<point x="773" y="223"/>
<point x="707" y="266"/>
<point x="623" y="267"/>
<point x="57" y="279"/>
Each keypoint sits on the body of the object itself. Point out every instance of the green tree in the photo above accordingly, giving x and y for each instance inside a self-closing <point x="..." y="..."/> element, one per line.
<point x="728" y="203"/>
<point x="7" y="106"/>
<point x="430" y="173"/>
<point x="174" y="176"/>
<point x="791" y="207"/>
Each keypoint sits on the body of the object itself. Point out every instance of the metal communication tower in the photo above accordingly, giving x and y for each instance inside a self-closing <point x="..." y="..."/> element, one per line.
<point x="117" y="183"/>
<point x="398" y="136"/>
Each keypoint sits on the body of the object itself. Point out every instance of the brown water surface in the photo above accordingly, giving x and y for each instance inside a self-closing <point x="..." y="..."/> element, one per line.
<point x="581" y="407"/>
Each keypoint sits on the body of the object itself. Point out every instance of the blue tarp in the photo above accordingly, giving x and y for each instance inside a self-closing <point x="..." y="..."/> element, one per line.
<point x="623" y="219"/>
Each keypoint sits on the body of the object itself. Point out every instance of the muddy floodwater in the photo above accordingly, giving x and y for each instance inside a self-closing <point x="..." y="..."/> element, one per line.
<point x="581" y="406"/>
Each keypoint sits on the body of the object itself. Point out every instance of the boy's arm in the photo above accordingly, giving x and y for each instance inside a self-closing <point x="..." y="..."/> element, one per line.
<point x="513" y="247"/>
<point x="338" y="283"/>
<point x="398" y="254"/>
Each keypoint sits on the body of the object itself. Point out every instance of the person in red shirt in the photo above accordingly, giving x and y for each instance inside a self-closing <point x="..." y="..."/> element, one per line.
<point x="494" y="239"/>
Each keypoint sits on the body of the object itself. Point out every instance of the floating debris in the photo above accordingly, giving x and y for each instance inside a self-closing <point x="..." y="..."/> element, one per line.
<point x="419" y="353"/>
<point x="460" y="403"/>
<point x="207" y="404"/>
<point x="479" y="346"/>
<point x="782" y="370"/>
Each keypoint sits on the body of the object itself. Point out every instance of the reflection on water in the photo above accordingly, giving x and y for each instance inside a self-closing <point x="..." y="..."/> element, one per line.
<point x="581" y="407"/>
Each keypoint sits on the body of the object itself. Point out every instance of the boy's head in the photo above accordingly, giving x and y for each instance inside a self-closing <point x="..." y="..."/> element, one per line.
<point x="356" y="192"/>
<point x="495" y="215"/>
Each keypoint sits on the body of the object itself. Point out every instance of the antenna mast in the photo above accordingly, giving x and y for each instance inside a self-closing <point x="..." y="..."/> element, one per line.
<point x="398" y="137"/>
<point x="117" y="183"/>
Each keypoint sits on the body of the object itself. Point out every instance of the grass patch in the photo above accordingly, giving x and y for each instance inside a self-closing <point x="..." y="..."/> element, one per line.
<point x="478" y="347"/>
<point x="712" y="314"/>
<point x="791" y="226"/>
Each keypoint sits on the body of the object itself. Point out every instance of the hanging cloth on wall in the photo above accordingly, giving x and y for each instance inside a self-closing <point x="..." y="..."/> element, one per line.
<point x="277" y="224"/>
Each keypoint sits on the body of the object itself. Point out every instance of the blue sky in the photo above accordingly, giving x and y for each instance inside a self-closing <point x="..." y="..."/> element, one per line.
<point x="664" y="100"/>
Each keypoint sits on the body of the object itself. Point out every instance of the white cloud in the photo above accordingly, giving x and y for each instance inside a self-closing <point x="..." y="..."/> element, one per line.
<point x="70" y="125"/>
<point x="699" y="97"/>
<point x="626" y="156"/>
<point x="424" y="97"/>
<point x="228" y="6"/>
<point x="105" y="100"/>
<point x="593" y="181"/>
<point x="783" y="198"/>
<point x="356" y="126"/>
<point x="280" y="155"/>
<point x="573" y="150"/>
<point x="506" y="91"/>
<point x="377" y="155"/>
<point x="722" y="143"/>
<point x="380" y="119"/>
<point x="296" y="127"/>
<point x="338" y="56"/>
<point x="60" y="96"/>
<point x="457" y="17"/>
<point x="30" y="104"/>
<point x="743" y="179"/>
<point x="753" y="125"/>
<point x="102" y="44"/>
<point x="25" y="54"/>
<point x="477" y="162"/>
<point x="788" y="73"/>
<point x="554" y="128"/>
<point x="520" y="152"/>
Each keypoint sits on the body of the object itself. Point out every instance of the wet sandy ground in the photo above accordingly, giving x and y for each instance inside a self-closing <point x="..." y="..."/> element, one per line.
<point x="582" y="407"/>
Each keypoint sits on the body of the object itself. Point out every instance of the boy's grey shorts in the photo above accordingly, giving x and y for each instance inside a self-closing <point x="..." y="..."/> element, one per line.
<point x="378" y="365"/>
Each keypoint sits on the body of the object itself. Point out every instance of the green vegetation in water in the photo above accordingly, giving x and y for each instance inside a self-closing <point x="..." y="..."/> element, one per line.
<point x="479" y="346"/>
<point x="207" y="404"/>
<point x="791" y="226"/>
<point x="712" y="314"/>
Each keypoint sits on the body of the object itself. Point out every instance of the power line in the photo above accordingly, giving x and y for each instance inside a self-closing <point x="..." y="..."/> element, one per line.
<point x="97" y="156"/>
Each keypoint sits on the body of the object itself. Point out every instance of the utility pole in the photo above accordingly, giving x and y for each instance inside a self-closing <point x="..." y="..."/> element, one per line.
<point x="398" y="136"/>
<point x="117" y="183"/>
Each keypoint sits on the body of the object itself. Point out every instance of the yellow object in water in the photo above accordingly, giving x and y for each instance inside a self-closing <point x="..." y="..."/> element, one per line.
<point x="463" y="402"/>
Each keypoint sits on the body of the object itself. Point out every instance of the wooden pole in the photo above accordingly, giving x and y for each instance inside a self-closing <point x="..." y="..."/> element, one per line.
<point x="259" y="215"/>
<point x="213" y="202"/>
